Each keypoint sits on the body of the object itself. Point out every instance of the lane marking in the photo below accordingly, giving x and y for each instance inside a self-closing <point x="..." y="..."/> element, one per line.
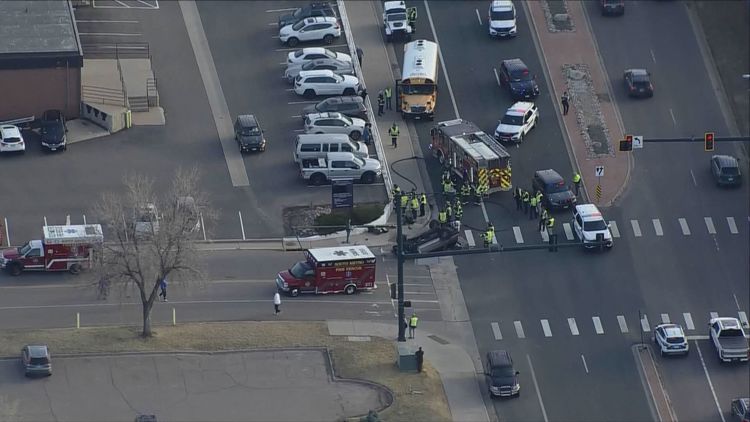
<point x="479" y="18"/>
<point x="703" y="337"/>
<point x="644" y="323"/>
<point x="613" y="229"/>
<point x="496" y="331"/>
<point x="102" y="21"/>
<point x="714" y="315"/>
<point x="442" y="63"/>
<point x="710" y="225"/>
<point x="653" y="56"/>
<point x="622" y="323"/>
<point x="710" y="384"/>
<point x="189" y="302"/>
<point x="732" y="225"/>
<point x="657" y="227"/>
<point x="470" y="238"/>
<point x="684" y="226"/>
<point x="497" y="77"/>
<point x="281" y="10"/>
<point x="546" y="329"/>
<point x="109" y="34"/>
<point x="671" y="113"/>
<point x="695" y="182"/>
<point x="636" y="228"/>
<point x="584" y="363"/>
<point x="573" y="326"/>
<point x="736" y="302"/>
<point x="519" y="329"/>
<point x="598" y="325"/>
<point x="536" y="387"/>
<point x="743" y="318"/>
<point x="665" y="318"/>
<point x="545" y="236"/>
<point x="517" y="234"/>
<point x="688" y="320"/>
<point x="568" y="231"/>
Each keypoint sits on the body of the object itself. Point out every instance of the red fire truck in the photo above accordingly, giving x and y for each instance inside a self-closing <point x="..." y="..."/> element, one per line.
<point x="64" y="248"/>
<point x="330" y="270"/>
<point x="467" y="151"/>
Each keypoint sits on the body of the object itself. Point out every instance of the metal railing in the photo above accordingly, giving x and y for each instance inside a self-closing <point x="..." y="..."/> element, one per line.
<point x="103" y="95"/>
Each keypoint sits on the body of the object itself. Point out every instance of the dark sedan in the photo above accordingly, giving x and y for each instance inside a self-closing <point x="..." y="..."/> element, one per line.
<point x="638" y="83"/>
<point x="518" y="79"/>
<point x="557" y="195"/>
<point x="349" y="105"/>
<point x="726" y="170"/>
<point x="312" y="10"/>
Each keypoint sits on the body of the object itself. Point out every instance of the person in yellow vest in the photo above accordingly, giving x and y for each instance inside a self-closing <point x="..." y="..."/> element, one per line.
<point x="413" y="324"/>
<point x="489" y="234"/>
<point x="442" y="218"/>
<point x="393" y="132"/>
<point x="422" y="205"/>
<point x="404" y="202"/>
<point x="543" y="216"/>
<point x="388" y="98"/>
<point x="532" y="209"/>
<point x="577" y="182"/>
<point x="449" y="211"/>
<point x="414" y="206"/>
<point x="539" y="197"/>
<point x="550" y="224"/>
<point x="526" y="198"/>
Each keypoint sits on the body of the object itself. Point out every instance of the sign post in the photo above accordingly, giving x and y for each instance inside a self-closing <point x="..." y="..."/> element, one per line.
<point x="599" y="173"/>
<point x="342" y="193"/>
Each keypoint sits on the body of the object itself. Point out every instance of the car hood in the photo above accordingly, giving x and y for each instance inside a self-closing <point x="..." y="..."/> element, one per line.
<point x="287" y="19"/>
<point x="350" y="80"/>
<point x="591" y="235"/>
<point x="286" y="30"/>
<point x="503" y="24"/>
<point x="250" y="139"/>
<point x="53" y="134"/>
<point x="523" y="85"/>
<point x="372" y="164"/>
<point x="503" y="381"/>
<point x="503" y="128"/>
<point x="286" y="275"/>
<point x="310" y="109"/>
<point x="10" y="253"/>
<point x="561" y="197"/>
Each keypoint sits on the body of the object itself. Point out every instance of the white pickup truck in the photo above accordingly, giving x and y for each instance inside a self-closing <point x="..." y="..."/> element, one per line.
<point x="729" y="339"/>
<point x="340" y="165"/>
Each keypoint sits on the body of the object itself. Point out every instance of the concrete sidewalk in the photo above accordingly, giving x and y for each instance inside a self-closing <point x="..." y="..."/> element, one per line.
<point x="446" y="354"/>
<point x="573" y="65"/>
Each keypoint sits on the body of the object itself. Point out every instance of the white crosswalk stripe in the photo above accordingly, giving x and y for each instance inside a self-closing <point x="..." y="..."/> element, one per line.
<point x="470" y="238"/>
<point x="732" y="225"/>
<point x="496" y="331"/>
<point x="545" y="236"/>
<point x="546" y="329"/>
<point x="714" y="315"/>
<point x="636" y="228"/>
<point x="657" y="227"/>
<point x="688" y="320"/>
<point x="517" y="234"/>
<point x="665" y="318"/>
<point x="644" y="323"/>
<point x="684" y="226"/>
<point x="597" y="325"/>
<point x="710" y="225"/>
<point x="519" y="329"/>
<point x="613" y="229"/>
<point x="743" y="318"/>
<point x="573" y="326"/>
<point x="568" y="231"/>
<point x="623" y="324"/>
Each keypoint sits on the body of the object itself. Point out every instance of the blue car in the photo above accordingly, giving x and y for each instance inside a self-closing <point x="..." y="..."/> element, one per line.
<point x="517" y="78"/>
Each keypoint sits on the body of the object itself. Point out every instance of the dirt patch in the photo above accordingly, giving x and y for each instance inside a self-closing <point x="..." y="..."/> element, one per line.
<point x="299" y="221"/>
<point x="416" y="396"/>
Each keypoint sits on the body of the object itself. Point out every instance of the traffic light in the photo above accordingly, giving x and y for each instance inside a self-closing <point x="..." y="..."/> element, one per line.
<point x="627" y="143"/>
<point x="708" y="141"/>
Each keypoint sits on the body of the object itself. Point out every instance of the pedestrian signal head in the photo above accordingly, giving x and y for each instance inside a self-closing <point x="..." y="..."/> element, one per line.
<point x="627" y="143"/>
<point x="708" y="141"/>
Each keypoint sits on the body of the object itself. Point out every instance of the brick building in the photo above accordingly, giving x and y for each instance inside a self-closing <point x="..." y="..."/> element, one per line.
<point x="40" y="59"/>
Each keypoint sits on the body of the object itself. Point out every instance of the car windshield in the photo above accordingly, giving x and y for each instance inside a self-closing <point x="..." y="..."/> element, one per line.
<point x="358" y="161"/>
<point x="299" y="269"/>
<point x="501" y="15"/>
<point x="675" y="340"/>
<point x="422" y="89"/>
<point x="299" y="13"/>
<point x="732" y="332"/>
<point x="642" y="78"/>
<point x="51" y="128"/>
<point x="346" y="119"/>
<point x="730" y="171"/>
<point x="512" y="120"/>
<point x="299" y="25"/>
<point x="520" y="75"/>
<point x="23" y="250"/>
<point x="503" y="371"/>
<point x="593" y="226"/>
<point x="395" y="17"/>
<point x="38" y="361"/>
<point x="299" y="53"/>
<point x="250" y="131"/>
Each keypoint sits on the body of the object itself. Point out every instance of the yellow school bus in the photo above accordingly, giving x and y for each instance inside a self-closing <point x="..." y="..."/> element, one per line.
<point x="417" y="89"/>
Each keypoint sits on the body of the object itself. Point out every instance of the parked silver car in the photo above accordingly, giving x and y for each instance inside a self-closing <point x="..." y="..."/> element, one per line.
<point x="339" y="67"/>
<point x="36" y="360"/>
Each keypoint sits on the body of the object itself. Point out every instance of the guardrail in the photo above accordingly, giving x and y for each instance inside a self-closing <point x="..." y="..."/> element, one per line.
<point x="136" y="50"/>
<point x="103" y="95"/>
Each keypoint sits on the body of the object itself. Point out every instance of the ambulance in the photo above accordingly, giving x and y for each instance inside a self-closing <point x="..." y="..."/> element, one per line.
<point x="346" y="269"/>
<point x="63" y="248"/>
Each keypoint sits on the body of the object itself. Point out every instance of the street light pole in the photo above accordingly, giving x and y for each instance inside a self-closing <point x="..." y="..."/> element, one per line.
<point x="400" y="258"/>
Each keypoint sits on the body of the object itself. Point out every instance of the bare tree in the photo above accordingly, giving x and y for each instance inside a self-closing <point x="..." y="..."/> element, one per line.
<point x="149" y="238"/>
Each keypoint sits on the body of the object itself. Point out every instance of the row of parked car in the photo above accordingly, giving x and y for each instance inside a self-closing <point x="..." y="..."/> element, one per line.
<point x="52" y="130"/>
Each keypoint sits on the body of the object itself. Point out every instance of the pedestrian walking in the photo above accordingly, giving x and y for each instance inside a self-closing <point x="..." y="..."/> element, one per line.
<point x="419" y="355"/>
<point x="388" y="98"/>
<point x="543" y="219"/>
<point x="577" y="182"/>
<point x="411" y="16"/>
<point x="360" y="55"/>
<point x="163" y="289"/>
<point x="565" y="102"/>
<point x="422" y="205"/>
<point x="381" y="103"/>
<point x="413" y="324"/>
<point x="363" y="94"/>
<point x="393" y="132"/>
<point x="367" y="134"/>
<point x="517" y="197"/>
<point x="489" y="234"/>
<point x="276" y="303"/>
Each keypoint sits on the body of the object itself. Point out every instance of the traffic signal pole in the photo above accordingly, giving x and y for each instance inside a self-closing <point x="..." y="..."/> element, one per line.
<point x="400" y="259"/>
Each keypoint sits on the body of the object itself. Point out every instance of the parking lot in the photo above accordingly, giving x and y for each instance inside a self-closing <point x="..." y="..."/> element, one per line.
<point x="281" y="385"/>
<point x="247" y="58"/>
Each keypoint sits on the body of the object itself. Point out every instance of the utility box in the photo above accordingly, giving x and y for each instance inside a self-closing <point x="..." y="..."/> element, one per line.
<point x="407" y="361"/>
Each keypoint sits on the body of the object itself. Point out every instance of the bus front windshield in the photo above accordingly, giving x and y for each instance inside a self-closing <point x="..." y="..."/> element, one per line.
<point x="422" y="89"/>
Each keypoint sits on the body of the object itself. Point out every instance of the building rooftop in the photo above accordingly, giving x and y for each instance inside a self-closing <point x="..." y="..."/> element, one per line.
<point x="36" y="26"/>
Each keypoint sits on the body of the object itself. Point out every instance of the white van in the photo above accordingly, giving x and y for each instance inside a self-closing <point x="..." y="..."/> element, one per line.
<point x="319" y="145"/>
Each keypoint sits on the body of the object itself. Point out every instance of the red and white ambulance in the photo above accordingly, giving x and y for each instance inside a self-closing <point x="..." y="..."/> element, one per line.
<point x="330" y="270"/>
<point x="63" y="248"/>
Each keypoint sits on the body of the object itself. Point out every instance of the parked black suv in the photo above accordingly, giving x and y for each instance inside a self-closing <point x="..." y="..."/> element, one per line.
<point x="726" y="170"/>
<point x="556" y="194"/>
<point x="502" y="378"/>
<point x="350" y="105"/>
<point x="516" y="77"/>
<point x="248" y="134"/>
<point x="312" y="10"/>
<point x="53" y="130"/>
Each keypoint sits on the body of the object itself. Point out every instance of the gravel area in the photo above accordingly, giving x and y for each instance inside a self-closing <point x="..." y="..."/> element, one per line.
<point x="557" y="17"/>
<point x="586" y="104"/>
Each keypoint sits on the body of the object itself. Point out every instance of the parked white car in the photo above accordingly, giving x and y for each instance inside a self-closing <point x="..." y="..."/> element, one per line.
<point x="670" y="339"/>
<point x="324" y="82"/>
<point x="11" y="139"/>
<point x="518" y="121"/>
<point x="334" y="123"/>
<point x="311" y="29"/>
<point x="312" y="53"/>
<point x="338" y="67"/>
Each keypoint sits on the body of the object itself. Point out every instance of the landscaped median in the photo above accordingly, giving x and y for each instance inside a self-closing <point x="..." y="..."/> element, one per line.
<point x="417" y="397"/>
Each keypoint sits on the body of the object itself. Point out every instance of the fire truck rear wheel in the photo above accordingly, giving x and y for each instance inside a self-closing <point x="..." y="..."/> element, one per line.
<point x="15" y="269"/>
<point x="75" y="269"/>
<point x="294" y="292"/>
<point x="350" y="289"/>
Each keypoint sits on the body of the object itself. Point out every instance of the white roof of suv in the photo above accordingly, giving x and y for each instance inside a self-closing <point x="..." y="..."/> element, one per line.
<point x="520" y="108"/>
<point x="320" y="72"/>
<point x="589" y="212"/>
